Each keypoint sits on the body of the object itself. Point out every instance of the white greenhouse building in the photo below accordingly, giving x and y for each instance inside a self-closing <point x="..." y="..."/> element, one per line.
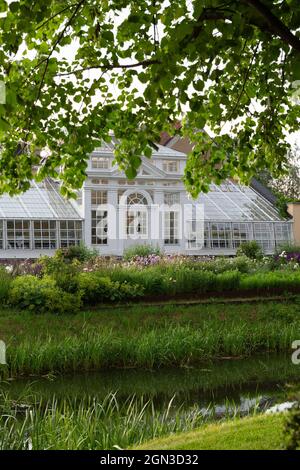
<point x="113" y="213"/>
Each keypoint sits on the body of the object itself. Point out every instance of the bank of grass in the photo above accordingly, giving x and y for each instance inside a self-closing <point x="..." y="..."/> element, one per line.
<point x="262" y="432"/>
<point x="145" y="337"/>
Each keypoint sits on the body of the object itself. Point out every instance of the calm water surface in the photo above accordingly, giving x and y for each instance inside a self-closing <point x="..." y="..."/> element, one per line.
<point x="234" y="384"/>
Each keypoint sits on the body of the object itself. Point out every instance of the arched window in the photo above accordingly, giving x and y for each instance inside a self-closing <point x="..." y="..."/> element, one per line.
<point x="136" y="199"/>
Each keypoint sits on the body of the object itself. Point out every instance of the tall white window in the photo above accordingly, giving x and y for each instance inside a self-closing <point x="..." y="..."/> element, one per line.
<point x="170" y="166"/>
<point x="101" y="163"/>
<point x="18" y="234"/>
<point x="171" y="227"/>
<point x="99" y="227"/>
<point x="70" y="233"/>
<point x="44" y="234"/>
<point x="136" y="223"/>
<point x="137" y="216"/>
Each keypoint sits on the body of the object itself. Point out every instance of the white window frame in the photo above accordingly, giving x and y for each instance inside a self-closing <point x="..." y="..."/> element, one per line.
<point x="99" y="227"/>
<point x="100" y="163"/>
<point x="45" y="234"/>
<point x="170" y="166"/>
<point x="171" y="227"/>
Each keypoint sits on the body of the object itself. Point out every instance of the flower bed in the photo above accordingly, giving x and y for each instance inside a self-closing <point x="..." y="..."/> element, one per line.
<point x="64" y="283"/>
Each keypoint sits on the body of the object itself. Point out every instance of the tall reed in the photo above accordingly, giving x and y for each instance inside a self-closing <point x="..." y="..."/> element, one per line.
<point x="172" y="345"/>
<point x="90" y="424"/>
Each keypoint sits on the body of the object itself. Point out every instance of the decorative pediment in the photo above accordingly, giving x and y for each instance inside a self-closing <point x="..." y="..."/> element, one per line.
<point x="146" y="169"/>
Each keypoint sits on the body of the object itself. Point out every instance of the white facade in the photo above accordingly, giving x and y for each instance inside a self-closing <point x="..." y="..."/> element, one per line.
<point x="156" y="209"/>
<point x="113" y="213"/>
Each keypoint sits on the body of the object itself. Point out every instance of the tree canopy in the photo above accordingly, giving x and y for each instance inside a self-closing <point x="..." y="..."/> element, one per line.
<point x="76" y="71"/>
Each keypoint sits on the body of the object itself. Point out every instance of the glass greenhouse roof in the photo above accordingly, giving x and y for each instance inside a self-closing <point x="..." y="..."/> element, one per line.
<point x="227" y="202"/>
<point x="234" y="202"/>
<point x="41" y="201"/>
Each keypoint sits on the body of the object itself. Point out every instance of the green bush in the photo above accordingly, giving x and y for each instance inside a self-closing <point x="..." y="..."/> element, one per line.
<point x="80" y="253"/>
<point x="5" y="281"/>
<point x="140" y="250"/>
<point x="42" y="295"/>
<point x="250" y="249"/>
<point x="292" y="428"/>
<point x="64" y="274"/>
<point x="96" y="289"/>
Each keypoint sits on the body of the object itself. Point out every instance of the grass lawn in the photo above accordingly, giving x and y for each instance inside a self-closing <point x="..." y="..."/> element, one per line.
<point x="263" y="432"/>
<point x="146" y="337"/>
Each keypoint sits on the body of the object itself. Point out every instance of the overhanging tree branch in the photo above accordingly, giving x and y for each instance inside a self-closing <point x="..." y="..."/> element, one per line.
<point x="143" y="63"/>
<point x="276" y="25"/>
<point x="56" y="42"/>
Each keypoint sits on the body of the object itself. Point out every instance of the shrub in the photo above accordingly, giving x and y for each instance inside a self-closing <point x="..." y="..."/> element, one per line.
<point x="64" y="274"/>
<point x="250" y="249"/>
<point x="140" y="250"/>
<point x="292" y="429"/>
<point x="80" y="253"/>
<point x="95" y="289"/>
<point x="5" y="281"/>
<point x="41" y="295"/>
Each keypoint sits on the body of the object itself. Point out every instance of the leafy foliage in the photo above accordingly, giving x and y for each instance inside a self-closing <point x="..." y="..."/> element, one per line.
<point x="96" y="289"/>
<point x="250" y="249"/>
<point x="42" y="295"/>
<point x="80" y="253"/>
<point x="75" y="71"/>
<point x="292" y="429"/>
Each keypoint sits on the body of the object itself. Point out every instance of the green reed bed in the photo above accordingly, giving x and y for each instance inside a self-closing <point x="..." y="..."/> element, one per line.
<point x="90" y="424"/>
<point x="145" y="337"/>
<point x="172" y="346"/>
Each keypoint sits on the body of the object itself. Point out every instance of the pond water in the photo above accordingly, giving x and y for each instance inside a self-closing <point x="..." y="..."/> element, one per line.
<point x="230" y="384"/>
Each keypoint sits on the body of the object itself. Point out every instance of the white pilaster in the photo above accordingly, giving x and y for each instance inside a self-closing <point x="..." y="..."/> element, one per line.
<point x="158" y="218"/>
<point x="87" y="208"/>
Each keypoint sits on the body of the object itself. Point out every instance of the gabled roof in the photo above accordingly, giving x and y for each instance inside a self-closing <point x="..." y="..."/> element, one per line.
<point x="162" y="151"/>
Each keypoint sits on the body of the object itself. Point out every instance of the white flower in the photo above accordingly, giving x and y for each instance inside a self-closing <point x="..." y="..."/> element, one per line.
<point x="9" y="268"/>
